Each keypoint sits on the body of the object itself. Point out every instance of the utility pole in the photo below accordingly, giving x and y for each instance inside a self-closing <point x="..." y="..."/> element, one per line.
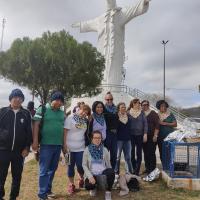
<point x="164" y="44"/>
<point x="2" y="33"/>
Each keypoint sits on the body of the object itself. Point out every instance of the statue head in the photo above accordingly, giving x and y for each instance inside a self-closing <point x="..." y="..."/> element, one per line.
<point x="111" y="4"/>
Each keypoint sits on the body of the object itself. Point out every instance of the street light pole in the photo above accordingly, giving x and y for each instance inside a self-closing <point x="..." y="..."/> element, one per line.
<point x="164" y="44"/>
<point x="2" y="33"/>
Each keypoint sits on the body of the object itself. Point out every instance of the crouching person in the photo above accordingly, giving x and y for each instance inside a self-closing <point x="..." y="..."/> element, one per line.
<point x="96" y="162"/>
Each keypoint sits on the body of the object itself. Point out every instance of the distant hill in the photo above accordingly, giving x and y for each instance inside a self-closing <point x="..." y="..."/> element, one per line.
<point x="191" y="112"/>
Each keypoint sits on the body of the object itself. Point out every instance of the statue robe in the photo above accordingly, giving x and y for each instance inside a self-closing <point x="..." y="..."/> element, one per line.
<point x="110" y="28"/>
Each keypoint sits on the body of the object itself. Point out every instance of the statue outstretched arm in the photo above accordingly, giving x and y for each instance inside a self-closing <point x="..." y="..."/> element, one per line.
<point x="76" y="25"/>
<point x="87" y="26"/>
<point x="130" y="12"/>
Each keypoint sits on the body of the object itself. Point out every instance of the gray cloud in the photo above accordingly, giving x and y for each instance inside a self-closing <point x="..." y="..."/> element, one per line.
<point x="174" y="20"/>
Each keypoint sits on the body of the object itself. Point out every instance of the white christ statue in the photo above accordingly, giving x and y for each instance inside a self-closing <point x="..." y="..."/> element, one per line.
<point x="110" y="28"/>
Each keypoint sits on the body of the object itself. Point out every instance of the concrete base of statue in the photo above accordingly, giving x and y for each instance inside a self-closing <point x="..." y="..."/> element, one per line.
<point x="117" y="98"/>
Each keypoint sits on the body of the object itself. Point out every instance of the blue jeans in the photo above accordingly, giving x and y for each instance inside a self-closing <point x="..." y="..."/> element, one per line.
<point x="124" y="146"/>
<point x="111" y="145"/>
<point x="49" y="158"/>
<point x="75" y="159"/>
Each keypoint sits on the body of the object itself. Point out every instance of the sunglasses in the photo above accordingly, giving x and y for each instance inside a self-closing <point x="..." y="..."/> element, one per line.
<point x="109" y="99"/>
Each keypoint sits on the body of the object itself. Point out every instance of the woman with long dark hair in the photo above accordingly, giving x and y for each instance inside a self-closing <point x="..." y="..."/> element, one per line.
<point x="97" y="120"/>
<point x="139" y="130"/>
<point x="167" y="123"/>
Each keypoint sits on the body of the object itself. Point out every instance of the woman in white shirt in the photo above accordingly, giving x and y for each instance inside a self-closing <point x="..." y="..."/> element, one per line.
<point x="75" y="132"/>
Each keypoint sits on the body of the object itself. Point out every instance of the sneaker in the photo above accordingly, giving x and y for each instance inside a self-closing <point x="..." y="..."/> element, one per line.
<point x="108" y="195"/>
<point x="81" y="183"/>
<point x="71" y="189"/>
<point x="115" y="182"/>
<point x="93" y="193"/>
<point x="51" y="195"/>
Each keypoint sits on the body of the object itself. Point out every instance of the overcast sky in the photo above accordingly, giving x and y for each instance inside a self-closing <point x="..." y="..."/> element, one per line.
<point x="173" y="20"/>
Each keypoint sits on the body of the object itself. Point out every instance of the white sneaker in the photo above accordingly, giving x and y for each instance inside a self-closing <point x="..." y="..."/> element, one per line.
<point x="93" y="193"/>
<point x="108" y="195"/>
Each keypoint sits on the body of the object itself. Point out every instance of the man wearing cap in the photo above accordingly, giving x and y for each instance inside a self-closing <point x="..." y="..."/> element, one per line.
<point x="52" y="135"/>
<point x="15" y="141"/>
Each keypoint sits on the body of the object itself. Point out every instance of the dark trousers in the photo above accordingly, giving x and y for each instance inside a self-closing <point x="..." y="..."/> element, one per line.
<point x="136" y="142"/>
<point x="75" y="160"/>
<point x="149" y="149"/>
<point x="111" y="145"/>
<point x="17" y="162"/>
<point x="110" y="177"/>
<point x="160" y="146"/>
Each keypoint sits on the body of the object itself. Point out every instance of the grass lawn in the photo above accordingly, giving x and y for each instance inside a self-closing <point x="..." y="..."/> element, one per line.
<point x="149" y="191"/>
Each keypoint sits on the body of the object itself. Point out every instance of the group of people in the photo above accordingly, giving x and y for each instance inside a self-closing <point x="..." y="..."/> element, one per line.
<point x="93" y="138"/>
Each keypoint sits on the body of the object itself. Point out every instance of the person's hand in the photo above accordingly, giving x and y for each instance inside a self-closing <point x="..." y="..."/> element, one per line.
<point x="65" y="148"/>
<point x="155" y="137"/>
<point x="35" y="146"/>
<point x="145" y="138"/>
<point x="163" y="123"/>
<point x="76" y="25"/>
<point x="92" y="180"/>
<point x="25" y="153"/>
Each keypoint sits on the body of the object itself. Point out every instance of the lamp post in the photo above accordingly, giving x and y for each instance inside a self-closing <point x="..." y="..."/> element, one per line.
<point x="2" y="33"/>
<point x="164" y="44"/>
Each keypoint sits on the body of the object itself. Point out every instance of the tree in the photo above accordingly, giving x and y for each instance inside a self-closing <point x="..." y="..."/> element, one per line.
<point x="53" y="61"/>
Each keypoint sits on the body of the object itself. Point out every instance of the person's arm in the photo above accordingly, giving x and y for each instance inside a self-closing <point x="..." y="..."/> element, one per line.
<point x="26" y="150"/>
<point x="145" y="126"/>
<point x="67" y="127"/>
<point x="156" y="125"/>
<point x="90" y="129"/>
<point x="87" y="26"/>
<point x="131" y="12"/>
<point x="86" y="168"/>
<point x="36" y="127"/>
<point x="170" y="124"/>
<point x="65" y="141"/>
<point x="29" y="131"/>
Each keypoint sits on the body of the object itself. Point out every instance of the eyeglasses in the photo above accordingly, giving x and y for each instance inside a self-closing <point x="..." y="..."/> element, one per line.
<point x="97" y="138"/>
<point x="109" y="99"/>
<point x="137" y="102"/>
<point x="145" y="104"/>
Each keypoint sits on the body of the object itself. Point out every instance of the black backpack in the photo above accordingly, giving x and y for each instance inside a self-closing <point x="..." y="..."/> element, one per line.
<point x="133" y="185"/>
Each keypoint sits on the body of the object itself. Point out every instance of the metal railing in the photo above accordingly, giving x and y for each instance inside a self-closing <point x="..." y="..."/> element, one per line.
<point x="136" y="93"/>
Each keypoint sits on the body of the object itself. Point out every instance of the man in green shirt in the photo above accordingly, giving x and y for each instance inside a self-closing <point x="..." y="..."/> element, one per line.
<point x="52" y="136"/>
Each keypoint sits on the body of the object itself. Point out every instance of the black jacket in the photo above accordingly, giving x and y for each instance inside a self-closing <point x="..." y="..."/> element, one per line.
<point x="15" y="129"/>
<point x="111" y="121"/>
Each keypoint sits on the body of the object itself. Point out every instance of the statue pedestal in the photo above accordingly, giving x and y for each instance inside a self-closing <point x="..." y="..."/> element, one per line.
<point x="117" y="96"/>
